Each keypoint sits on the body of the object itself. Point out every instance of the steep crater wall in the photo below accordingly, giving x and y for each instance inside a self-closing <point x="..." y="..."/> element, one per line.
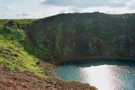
<point x="84" y="36"/>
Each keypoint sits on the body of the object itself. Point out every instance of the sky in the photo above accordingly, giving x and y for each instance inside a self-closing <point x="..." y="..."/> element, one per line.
<point x="23" y="9"/>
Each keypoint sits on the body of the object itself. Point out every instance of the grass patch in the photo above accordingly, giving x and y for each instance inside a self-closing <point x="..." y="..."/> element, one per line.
<point x="12" y="53"/>
<point x="16" y="58"/>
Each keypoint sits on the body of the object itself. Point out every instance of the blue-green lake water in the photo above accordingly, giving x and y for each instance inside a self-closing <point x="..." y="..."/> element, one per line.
<point x="105" y="75"/>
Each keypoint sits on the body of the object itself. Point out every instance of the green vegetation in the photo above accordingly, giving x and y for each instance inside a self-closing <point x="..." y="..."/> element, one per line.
<point x="12" y="52"/>
<point x="77" y="35"/>
<point x="58" y="38"/>
<point x="64" y="37"/>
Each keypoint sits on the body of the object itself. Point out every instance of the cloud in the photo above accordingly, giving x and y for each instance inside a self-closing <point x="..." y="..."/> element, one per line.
<point x="43" y="8"/>
<point x="85" y="3"/>
<point x="110" y="10"/>
<point x="116" y="1"/>
<point x="130" y="4"/>
<point x="42" y="1"/>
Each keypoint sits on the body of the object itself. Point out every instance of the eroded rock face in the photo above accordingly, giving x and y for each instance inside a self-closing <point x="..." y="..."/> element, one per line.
<point x="83" y="36"/>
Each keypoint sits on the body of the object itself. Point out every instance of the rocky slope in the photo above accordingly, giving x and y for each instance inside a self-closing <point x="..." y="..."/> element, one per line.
<point x="16" y="80"/>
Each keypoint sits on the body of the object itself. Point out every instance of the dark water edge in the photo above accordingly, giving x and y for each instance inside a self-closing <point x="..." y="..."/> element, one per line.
<point x="104" y="74"/>
<point x="98" y="62"/>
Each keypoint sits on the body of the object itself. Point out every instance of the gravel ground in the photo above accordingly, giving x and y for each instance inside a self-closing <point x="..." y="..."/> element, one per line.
<point x="15" y="80"/>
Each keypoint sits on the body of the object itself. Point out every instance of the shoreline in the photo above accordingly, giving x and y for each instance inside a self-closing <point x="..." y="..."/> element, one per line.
<point x="91" y="60"/>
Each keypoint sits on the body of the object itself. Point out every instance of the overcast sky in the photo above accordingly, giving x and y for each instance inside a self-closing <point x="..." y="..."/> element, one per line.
<point x="42" y="8"/>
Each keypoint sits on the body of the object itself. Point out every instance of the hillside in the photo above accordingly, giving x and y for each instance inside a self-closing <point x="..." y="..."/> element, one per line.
<point x="21" y="65"/>
<point x="12" y="53"/>
<point x="82" y="36"/>
<point x="36" y="45"/>
<point x="74" y="36"/>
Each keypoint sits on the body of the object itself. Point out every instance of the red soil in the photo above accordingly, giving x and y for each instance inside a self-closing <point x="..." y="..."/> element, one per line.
<point x="15" y="80"/>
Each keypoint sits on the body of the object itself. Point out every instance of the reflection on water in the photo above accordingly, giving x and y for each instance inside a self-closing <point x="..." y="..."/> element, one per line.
<point x="104" y="77"/>
<point x="101" y="76"/>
